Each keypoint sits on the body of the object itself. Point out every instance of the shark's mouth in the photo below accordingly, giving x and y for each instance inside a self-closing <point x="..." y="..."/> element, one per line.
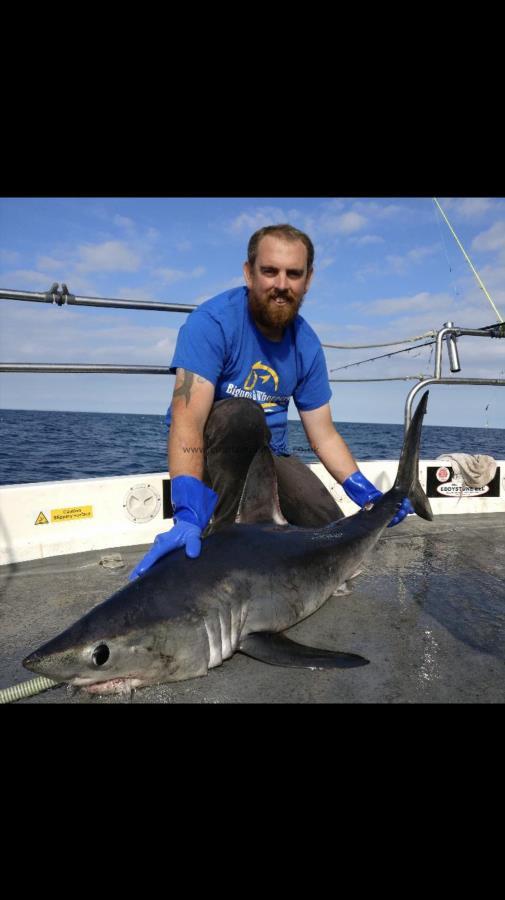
<point x="113" y="686"/>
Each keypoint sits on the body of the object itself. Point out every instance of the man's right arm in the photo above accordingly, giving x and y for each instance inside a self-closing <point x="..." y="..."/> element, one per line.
<point x="193" y="502"/>
<point x="191" y="405"/>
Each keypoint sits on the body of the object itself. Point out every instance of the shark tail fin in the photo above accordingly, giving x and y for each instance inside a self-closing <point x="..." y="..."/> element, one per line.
<point x="407" y="479"/>
<point x="420" y="501"/>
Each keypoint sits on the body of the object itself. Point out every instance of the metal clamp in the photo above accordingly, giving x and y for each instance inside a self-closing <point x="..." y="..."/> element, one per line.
<point x="496" y="331"/>
<point x="69" y="298"/>
<point x="60" y="297"/>
<point x="53" y="294"/>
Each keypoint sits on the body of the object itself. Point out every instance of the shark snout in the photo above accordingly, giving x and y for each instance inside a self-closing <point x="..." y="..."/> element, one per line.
<point x="34" y="661"/>
<point x="42" y="663"/>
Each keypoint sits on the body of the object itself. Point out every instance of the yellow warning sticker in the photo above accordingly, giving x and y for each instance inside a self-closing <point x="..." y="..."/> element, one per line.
<point x="71" y="513"/>
<point x="41" y="519"/>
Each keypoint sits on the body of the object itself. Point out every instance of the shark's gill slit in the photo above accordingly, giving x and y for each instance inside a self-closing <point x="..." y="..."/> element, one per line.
<point x="100" y="655"/>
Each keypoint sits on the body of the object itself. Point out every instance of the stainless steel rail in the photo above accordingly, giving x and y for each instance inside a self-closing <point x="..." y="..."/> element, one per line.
<point x="63" y="297"/>
<point x="84" y="368"/>
<point x="426" y="381"/>
<point x="449" y="332"/>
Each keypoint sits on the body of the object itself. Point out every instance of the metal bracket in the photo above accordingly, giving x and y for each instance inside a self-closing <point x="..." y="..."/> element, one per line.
<point x="53" y="293"/>
<point x="60" y="297"/>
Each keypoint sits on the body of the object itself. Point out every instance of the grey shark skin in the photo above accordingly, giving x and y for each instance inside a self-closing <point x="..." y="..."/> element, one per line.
<point x="253" y="580"/>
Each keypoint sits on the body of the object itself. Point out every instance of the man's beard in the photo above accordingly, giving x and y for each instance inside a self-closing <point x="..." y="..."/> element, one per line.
<point x="270" y="314"/>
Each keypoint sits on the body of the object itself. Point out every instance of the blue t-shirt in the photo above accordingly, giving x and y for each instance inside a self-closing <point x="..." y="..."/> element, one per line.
<point x="221" y="342"/>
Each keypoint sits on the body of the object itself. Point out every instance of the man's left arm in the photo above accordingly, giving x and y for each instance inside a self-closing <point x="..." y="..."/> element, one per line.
<point x="328" y="445"/>
<point x="331" y="449"/>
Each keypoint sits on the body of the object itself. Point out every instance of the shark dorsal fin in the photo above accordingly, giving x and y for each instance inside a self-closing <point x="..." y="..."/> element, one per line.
<point x="260" y="498"/>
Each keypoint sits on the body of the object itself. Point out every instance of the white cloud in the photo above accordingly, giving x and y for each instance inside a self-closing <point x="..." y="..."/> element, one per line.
<point x="418" y="254"/>
<point x="31" y="280"/>
<point x="395" y="264"/>
<point x="422" y="301"/>
<point x="442" y="308"/>
<point x="54" y="265"/>
<point x="62" y="269"/>
<point x="334" y="205"/>
<point x="467" y="208"/>
<point x="494" y="276"/>
<point x="325" y="262"/>
<point x="479" y="357"/>
<point x="184" y="246"/>
<point x="111" y="256"/>
<point x="45" y="333"/>
<point x="377" y="210"/>
<point x="26" y="279"/>
<point x="124" y="222"/>
<point x="345" y="224"/>
<point x="127" y="293"/>
<point x="9" y="257"/>
<point x="232" y="283"/>
<point x="328" y="220"/>
<point x="492" y="239"/>
<point x="251" y="221"/>
<point x="166" y="345"/>
<point x="366" y="239"/>
<point x="170" y="276"/>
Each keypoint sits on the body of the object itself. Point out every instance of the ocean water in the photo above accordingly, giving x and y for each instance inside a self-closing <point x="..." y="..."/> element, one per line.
<point x="53" y="446"/>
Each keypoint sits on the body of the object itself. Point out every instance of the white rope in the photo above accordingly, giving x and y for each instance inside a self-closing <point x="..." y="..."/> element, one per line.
<point x="389" y="344"/>
<point x="398" y="378"/>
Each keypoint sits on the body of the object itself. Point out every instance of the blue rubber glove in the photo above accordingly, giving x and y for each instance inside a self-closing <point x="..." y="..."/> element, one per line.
<point x="362" y="491"/>
<point x="406" y="509"/>
<point x="193" y="503"/>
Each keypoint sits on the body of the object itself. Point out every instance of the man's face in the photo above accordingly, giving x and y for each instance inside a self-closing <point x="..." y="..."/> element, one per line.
<point x="278" y="281"/>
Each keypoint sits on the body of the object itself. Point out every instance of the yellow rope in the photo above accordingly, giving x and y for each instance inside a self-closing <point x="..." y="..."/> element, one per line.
<point x="469" y="261"/>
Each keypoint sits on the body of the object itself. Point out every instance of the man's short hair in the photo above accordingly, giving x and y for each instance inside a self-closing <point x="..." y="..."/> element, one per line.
<point x="288" y="233"/>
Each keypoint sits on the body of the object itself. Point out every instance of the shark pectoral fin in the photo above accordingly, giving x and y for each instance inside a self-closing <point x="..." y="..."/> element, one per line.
<point x="342" y="589"/>
<point x="346" y="586"/>
<point x="278" y="650"/>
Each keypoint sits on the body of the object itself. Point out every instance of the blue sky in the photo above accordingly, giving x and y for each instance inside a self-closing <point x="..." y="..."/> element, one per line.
<point x="385" y="269"/>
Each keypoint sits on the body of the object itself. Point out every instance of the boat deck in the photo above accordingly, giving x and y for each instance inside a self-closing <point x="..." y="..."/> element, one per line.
<point x="428" y="611"/>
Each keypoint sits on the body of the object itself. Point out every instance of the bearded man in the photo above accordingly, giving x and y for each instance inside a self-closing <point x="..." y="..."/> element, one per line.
<point x="239" y="359"/>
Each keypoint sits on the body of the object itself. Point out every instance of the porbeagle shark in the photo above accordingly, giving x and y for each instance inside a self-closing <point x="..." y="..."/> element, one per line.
<point x="253" y="580"/>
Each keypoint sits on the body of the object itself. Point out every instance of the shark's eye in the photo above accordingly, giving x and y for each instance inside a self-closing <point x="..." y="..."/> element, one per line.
<point x="100" y="655"/>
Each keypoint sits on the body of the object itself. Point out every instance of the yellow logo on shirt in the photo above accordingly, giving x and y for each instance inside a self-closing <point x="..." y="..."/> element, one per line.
<point x="261" y="373"/>
<point x="254" y="374"/>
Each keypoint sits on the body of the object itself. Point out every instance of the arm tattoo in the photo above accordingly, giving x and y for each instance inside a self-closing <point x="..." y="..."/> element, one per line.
<point x="184" y="389"/>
